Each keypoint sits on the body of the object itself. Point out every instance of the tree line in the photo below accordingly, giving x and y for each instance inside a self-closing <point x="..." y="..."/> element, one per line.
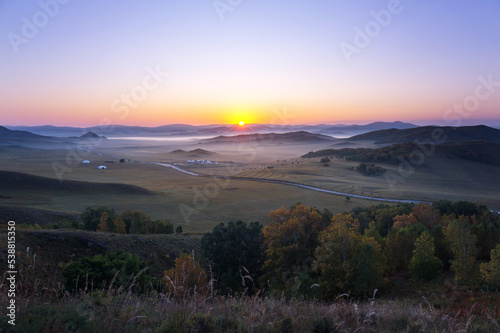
<point x="304" y="252"/>
<point x="129" y="222"/>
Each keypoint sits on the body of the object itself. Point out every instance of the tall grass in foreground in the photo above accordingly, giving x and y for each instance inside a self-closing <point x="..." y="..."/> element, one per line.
<point x="49" y="308"/>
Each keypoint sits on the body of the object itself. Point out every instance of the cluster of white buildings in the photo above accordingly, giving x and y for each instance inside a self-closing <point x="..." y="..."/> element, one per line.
<point x="201" y="162"/>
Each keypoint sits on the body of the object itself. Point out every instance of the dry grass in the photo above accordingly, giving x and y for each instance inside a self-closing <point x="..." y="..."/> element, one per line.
<point x="49" y="308"/>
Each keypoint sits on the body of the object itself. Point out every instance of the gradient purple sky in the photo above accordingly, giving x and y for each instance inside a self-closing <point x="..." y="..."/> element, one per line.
<point x="264" y="55"/>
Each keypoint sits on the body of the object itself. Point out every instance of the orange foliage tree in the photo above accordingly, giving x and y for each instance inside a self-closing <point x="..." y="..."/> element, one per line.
<point x="186" y="277"/>
<point x="290" y="240"/>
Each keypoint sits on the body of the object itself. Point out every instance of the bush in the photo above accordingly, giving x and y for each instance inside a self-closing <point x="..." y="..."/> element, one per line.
<point x="98" y="271"/>
<point x="370" y="169"/>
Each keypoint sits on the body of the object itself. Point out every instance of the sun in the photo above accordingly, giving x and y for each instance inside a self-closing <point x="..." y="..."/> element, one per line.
<point x="241" y="123"/>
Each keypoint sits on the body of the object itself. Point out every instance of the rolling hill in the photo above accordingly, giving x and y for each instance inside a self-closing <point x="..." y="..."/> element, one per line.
<point x="453" y="135"/>
<point x="21" y="181"/>
<point x="270" y="138"/>
<point x="482" y="152"/>
<point x="196" y="153"/>
<point x="9" y="136"/>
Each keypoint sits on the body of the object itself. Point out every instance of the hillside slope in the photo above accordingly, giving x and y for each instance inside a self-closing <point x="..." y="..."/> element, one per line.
<point x="297" y="137"/>
<point x="453" y="135"/>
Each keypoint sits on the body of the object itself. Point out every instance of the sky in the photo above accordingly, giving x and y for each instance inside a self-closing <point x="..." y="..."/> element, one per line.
<point x="151" y="62"/>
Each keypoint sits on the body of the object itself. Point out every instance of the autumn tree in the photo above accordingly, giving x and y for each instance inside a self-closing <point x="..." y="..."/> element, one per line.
<point x="105" y="223"/>
<point x="427" y="215"/>
<point x="424" y="265"/>
<point x="401" y="221"/>
<point x="119" y="226"/>
<point x="186" y="277"/>
<point x="290" y="239"/>
<point x="490" y="271"/>
<point x="463" y="245"/>
<point x="92" y="216"/>
<point x="336" y="255"/>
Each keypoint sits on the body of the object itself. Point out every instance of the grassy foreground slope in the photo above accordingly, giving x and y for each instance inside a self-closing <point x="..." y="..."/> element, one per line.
<point x="50" y="250"/>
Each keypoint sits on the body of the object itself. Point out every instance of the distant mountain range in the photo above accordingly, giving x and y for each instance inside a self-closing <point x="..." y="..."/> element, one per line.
<point x="453" y="135"/>
<point x="20" y="137"/>
<point x="210" y="130"/>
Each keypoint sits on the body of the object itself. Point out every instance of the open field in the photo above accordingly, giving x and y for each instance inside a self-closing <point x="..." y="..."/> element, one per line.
<point x="219" y="201"/>
<point x="200" y="203"/>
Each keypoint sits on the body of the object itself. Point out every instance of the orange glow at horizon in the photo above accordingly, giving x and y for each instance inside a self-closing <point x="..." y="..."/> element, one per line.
<point x="241" y="123"/>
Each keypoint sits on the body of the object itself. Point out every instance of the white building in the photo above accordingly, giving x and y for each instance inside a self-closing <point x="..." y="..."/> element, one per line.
<point x="86" y="162"/>
<point x="101" y="167"/>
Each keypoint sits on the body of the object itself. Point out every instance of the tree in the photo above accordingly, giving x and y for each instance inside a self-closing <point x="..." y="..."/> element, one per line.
<point x="119" y="226"/>
<point x="178" y="230"/>
<point x="105" y="223"/>
<point x="424" y="265"/>
<point x="401" y="221"/>
<point x="325" y="160"/>
<point x="290" y="240"/>
<point x="186" y="277"/>
<point x="91" y="216"/>
<point x="136" y="222"/>
<point x="98" y="271"/>
<point x="368" y="269"/>
<point x="490" y="271"/>
<point x="162" y="227"/>
<point x="464" y="249"/>
<point x="427" y="215"/>
<point x="243" y="267"/>
<point x="336" y="255"/>
<point x="398" y="247"/>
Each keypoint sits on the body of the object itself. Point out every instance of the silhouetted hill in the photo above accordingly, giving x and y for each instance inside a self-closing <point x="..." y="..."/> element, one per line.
<point x="482" y="152"/>
<point x="453" y="135"/>
<point x="297" y="137"/>
<point x="379" y="125"/>
<point x="17" y="180"/>
<point x="6" y="133"/>
<point x="196" y="153"/>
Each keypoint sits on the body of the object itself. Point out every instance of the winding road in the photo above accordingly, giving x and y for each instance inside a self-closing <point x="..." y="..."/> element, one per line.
<point x="281" y="182"/>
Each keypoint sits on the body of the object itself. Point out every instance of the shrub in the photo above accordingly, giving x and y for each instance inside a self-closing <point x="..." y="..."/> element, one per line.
<point x="370" y="169"/>
<point x="98" y="271"/>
